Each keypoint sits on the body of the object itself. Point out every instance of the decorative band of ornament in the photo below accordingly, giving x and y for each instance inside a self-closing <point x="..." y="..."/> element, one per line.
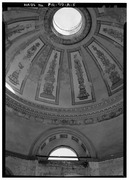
<point x="48" y="85"/>
<point x="81" y="86"/>
<point x="92" y="118"/>
<point x="20" y="66"/>
<point x="112" y="32"/>
<point x="110" y="69"/>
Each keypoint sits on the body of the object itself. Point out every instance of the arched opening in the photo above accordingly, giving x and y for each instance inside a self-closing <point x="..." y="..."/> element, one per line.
<point x="63" y="153"/>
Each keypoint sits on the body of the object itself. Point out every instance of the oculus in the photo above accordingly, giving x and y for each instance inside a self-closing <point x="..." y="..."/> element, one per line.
<point x="67" y="21"/>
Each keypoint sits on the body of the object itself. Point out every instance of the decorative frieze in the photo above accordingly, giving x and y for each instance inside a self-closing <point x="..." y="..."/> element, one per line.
<point x="84" y="119"/>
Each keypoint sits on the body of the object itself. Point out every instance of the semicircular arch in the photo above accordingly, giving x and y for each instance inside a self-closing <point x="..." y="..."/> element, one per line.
<point x="56" y="137"/>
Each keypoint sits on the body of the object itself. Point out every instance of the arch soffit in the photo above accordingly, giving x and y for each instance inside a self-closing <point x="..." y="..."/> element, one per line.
<point x="48" y="134"/>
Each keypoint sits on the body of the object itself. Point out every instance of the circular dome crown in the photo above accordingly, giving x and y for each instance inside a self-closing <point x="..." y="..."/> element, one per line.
<point x="67" y="21"/>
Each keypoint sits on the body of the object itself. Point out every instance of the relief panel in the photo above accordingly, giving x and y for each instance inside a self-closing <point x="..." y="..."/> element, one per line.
<point x="48" y="86"/>
<point x="109" y="67"/>
<point x="81" y="86"/>
<point x="17" y="29"/>
<point x="112" y="32"/>
<point x="20" y="66"/>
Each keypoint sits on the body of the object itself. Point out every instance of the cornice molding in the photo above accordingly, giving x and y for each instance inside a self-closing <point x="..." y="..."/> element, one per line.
<point x="65" y="119"/>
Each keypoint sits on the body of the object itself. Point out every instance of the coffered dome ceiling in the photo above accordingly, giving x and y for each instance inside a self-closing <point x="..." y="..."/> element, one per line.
<point x="49" y="73"/>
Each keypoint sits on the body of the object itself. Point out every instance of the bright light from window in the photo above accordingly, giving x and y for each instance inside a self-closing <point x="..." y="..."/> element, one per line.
<point x="63" y="151"/>
<point x="9" y="88"/>
<point x="67" y="21"/>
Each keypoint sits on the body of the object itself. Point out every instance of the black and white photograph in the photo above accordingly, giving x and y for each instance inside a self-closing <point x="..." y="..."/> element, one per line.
<point x="64" y="79"/>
